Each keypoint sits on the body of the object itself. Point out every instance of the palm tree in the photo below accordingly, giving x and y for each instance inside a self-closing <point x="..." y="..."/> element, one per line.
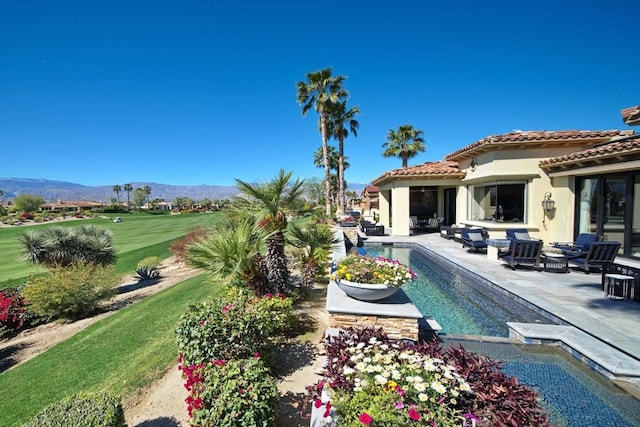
<point x="405" y="143"/>
<point x="314" y="242"/>
<point x="128" y="188"/>
<point x="231" y="252"/>
<point x="271" y="202"/>
<point x="334" y="160"/>
<point x="339" y="116"/>
<point x="117" y="189"/>
<point x="63" y="246"/>
<point x="147" y="192"/>
<point x="321" y="89"/>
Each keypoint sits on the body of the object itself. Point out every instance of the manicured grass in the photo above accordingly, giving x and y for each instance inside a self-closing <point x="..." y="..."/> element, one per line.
<point x="137" y="237"/>
<point x="120" y="353"/>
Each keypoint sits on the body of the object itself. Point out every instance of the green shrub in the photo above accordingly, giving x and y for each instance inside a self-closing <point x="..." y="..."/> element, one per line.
<point x="148" y="268"/>
<point x="70" y="292"/>
<point x="235" y="326"/>
<point x="230" y="394"/>
<point x="82" y="410"/>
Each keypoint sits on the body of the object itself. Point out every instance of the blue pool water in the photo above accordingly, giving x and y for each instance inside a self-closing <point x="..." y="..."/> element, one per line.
<point x="459" y="305"/>
<point x="465" y="304"/>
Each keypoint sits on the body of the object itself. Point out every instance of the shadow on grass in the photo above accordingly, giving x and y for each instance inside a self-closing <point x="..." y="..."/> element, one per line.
<point x="139" y="285"/>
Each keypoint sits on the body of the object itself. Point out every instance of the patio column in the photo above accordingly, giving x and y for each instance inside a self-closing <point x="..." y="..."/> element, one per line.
<point x="384" y="202"/>
<point x="400" y="211"/>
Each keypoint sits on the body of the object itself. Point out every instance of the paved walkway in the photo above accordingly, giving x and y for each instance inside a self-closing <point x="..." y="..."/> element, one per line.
<point x="575" y="297"/>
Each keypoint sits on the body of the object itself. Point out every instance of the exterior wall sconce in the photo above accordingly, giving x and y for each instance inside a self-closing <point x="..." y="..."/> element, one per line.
<point x="547" y="205"/>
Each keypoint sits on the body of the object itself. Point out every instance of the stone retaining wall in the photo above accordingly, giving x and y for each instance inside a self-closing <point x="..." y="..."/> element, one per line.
<point x="394" y="327"/>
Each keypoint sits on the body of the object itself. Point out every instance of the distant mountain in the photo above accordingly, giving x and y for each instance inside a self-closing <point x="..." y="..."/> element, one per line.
<point x="60" y="190"/>
<point x="52" y="191"/>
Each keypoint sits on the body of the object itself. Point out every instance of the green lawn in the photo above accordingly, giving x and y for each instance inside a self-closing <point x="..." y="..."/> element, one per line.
<point x="120" y="353"/>
<point x="138" y="236"/>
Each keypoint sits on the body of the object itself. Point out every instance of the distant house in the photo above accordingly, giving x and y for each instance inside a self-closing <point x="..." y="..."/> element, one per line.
<point x="369" y="199"/>
<point x="71" y="206"/>
<point x="556" y="184"/>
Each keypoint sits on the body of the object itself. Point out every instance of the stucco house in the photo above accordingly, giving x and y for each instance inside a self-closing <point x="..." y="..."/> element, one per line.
<point x="589" y="181"/>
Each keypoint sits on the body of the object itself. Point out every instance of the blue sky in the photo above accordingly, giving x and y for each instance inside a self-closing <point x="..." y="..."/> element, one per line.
<point x="202" y="92"/>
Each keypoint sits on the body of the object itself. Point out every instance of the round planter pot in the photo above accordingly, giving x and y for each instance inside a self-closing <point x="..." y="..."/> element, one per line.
<point x="366" y="291"/>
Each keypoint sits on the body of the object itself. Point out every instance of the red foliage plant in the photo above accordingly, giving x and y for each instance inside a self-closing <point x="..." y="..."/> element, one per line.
<point x="179" y="247"/>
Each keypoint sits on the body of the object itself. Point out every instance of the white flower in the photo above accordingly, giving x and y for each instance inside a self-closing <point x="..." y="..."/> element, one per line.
<point x="423" y="397"/>
<point x="438" y="387"/>
<point x="348" y="370"/>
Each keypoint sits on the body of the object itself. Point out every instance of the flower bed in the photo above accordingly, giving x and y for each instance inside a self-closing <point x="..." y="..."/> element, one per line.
<point x="374" y="381"/>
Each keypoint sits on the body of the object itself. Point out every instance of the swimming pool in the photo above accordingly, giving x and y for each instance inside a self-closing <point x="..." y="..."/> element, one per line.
<point x="460" y="304"/>
<point x="467" y="307"/>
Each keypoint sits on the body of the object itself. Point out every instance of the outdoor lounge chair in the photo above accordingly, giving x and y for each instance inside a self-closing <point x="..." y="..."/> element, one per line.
<point x="518" y="234"/>
<point x="599" y="256"/>
<point x="473" y="239"/>
<point x="371" y="229"/>
<point x="413" y="223"/>
<point x="433" y="225"/>
<point x="582" y="244"/>
<point x="523" y="252"/>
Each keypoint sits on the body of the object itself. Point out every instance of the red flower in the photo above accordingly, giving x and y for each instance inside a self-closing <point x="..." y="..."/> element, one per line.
<point x="317" y="403"/>
<point x="327" y="410"/>
<point x="365" y="418"/>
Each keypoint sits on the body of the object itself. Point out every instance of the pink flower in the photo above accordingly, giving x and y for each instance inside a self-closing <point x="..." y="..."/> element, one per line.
<point x="399" y="405"/>
<point x="256" y="355"/>
<point x="365" y="418"/>
<point x="317" y="403"/>
<point x="413" y="414"/>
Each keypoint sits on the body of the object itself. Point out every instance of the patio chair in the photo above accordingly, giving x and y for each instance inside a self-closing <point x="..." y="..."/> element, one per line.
<point x="473" y="239"/>
<point x="518" y="234"/>
<point x="413" y="223"/>
<point x="371" y="229"/>
<point x="582" y="244"/>
<point x="523" y="252"/>
<point x="599" y="256"/>
<point x="433" y="225"/>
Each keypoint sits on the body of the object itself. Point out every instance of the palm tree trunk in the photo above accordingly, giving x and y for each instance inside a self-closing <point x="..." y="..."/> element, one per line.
<point x="278" y="273"/>
<point x="327" y="169"/>
<point x="341" y="200"/>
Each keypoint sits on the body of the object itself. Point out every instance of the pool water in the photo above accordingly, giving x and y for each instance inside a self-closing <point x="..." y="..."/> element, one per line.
<point x="459" y="306"/>
<point x="465" y="304"/>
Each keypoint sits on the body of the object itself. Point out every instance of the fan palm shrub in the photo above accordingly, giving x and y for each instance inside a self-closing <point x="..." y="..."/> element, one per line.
<point x="270" y="203"/>
<point x="230" y="252"/>
<point x="313" y="241"/>
<point x="63" y="246"/>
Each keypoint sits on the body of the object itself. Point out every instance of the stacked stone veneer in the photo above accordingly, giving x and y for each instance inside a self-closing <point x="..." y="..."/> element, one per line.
<point x="395" y="327"/>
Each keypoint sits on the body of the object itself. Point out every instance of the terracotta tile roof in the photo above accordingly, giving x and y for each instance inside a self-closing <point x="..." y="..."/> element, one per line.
<point x="372" y="189"/>
<point x="629" y="148"/>
<point x="631" y="115"/>
<point x="440" y="169"/>
<point x="535" y="139"/>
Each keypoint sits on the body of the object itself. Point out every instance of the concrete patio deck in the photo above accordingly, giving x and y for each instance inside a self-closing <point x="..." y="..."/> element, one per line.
<point x="610" y="328"/>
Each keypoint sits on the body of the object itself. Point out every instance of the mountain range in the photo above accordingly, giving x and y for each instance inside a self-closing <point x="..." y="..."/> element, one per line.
<point x="52" y="191"/>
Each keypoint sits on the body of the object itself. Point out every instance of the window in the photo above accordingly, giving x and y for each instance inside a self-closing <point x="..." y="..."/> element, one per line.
<point x="503" y="202"/>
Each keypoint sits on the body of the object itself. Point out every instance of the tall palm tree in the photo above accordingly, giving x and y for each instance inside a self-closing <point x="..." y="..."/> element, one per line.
<point x="128" y="188"/>
<point x="271" y="202"/>
<point x="147" y="192"/>
<point x="334" y="161"/>
<point x="117" y="189"/>
<point x="320" y="89"/>
<point x="339" y="116"/>
<point x="405" y="143"/>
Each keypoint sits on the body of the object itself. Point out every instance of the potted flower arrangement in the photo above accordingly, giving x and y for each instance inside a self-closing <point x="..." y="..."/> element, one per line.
<point x="370" y="278"/>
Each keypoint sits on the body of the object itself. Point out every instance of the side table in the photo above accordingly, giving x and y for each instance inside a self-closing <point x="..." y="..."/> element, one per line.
<point x="555" y="263"/>
<point x="617" y="282"/>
